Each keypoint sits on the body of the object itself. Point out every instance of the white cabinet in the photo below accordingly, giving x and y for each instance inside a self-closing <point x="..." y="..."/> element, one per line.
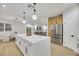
<point x="34" y="45"/>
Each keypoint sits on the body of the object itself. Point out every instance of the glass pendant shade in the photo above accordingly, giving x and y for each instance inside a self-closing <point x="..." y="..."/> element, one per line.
<point x="34" y="17"/>
<point x="24" y="21"/>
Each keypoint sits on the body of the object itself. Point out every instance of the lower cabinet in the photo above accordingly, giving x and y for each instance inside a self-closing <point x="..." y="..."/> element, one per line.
<point x="40" y="48"/>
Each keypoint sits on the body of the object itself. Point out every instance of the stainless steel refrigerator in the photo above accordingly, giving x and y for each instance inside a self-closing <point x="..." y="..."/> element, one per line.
<point x="57" y="33"/>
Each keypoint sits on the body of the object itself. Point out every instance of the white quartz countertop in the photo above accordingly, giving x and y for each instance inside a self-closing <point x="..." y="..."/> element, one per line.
<point x="33" y="38"/>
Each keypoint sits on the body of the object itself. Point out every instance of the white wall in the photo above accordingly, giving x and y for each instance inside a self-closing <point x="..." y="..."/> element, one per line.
<point x="18" y="27"/>
<point x="71" y="27"/>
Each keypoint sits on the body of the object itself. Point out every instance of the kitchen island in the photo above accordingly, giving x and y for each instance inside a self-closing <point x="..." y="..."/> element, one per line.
<point x="34" y="45"/>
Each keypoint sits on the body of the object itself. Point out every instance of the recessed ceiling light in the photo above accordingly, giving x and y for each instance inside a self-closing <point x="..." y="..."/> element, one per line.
<point x="3" y="6"/>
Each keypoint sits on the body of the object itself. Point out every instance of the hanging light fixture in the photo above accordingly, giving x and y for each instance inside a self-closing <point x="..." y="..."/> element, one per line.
<point x="24" y="17"/>
<point x="24" y="21"/>
<point x="34" y="16"/>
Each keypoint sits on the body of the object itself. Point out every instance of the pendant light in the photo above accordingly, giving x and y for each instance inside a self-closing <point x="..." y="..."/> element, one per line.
<point x="24" y="21"/>
<point x="24" y="17"/>
<point x="34" y="16"/>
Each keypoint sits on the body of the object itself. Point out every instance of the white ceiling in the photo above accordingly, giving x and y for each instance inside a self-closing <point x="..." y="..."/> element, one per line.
<point x="44" y="10"/>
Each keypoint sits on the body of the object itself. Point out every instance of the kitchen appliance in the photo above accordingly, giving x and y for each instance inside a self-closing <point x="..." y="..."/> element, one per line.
<point x="57" y="33"/>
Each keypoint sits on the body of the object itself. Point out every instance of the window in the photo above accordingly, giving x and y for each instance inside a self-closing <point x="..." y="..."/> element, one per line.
<point x="5" y="27"/>
<point x="1" y="27"/>
<point x="8" y="27"/>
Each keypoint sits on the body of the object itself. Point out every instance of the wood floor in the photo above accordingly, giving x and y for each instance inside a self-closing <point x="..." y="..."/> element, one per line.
<point x="10" y="49"/>
<point x="59" y="50"/>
